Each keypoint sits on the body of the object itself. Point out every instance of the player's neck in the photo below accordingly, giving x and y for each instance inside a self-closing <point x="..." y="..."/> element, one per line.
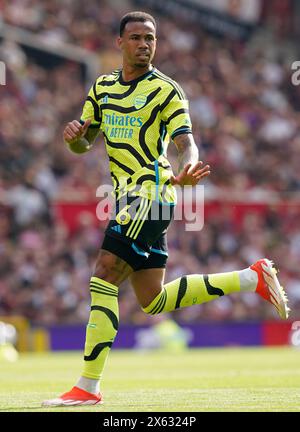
<point x="130" y="73"/>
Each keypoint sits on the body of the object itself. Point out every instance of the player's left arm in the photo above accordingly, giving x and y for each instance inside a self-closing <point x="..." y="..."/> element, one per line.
<point x="190" y="169"/>
<point x="176" y="117"/>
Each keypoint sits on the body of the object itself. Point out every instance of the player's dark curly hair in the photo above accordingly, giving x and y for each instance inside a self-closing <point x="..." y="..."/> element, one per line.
<point x="136" y="16"/>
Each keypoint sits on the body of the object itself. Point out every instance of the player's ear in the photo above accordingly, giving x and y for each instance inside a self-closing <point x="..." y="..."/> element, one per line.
<point x="119" y="42"/>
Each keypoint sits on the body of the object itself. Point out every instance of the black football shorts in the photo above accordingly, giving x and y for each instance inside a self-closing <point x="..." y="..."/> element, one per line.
<point x="137" y="230"/>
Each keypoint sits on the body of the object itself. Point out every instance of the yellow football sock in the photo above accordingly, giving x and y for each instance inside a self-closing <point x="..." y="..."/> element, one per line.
<point x="102" y="327"/>
<point x="193" y="289"/>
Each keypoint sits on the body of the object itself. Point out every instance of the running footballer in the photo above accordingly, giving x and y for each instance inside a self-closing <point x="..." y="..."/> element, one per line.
<point x="139" y="111"/>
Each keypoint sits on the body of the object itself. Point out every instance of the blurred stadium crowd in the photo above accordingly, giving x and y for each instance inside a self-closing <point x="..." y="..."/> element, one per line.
<point x="246" y="120"/>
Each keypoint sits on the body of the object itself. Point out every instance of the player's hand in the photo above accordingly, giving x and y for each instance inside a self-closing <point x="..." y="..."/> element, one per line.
<point x="75" y="130"/>
<point x="191" y="174"/>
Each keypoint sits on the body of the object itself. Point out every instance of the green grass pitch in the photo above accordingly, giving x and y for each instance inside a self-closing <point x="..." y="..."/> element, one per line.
<point x="220" y="379"/>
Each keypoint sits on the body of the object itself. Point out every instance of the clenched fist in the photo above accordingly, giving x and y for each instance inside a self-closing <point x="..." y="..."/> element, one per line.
<point x="73" y="133"/>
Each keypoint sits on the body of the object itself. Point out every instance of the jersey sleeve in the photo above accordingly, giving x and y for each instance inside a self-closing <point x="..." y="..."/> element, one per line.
<point x="91" y="109"/>
<point x="175" y="113"/>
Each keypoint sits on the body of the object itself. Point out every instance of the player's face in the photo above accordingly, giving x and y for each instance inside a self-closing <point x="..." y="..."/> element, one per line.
<point x="138" y="43"/>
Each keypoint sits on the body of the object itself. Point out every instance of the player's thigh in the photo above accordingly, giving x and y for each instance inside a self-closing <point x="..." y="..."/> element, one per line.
<point x="147" y="284"/>
<point x="111" y="268"/>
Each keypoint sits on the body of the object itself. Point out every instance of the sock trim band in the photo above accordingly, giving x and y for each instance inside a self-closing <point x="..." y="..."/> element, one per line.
<point x="102" y="291"/>
<point x="102" y="283"/>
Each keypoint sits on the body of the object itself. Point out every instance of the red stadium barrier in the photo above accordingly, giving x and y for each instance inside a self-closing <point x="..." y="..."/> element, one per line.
<point x="72" y="214"/>
<point x="276" y="333"/>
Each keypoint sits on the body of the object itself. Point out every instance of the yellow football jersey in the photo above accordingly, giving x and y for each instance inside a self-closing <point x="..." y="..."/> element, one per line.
<point x="137" y="119"/>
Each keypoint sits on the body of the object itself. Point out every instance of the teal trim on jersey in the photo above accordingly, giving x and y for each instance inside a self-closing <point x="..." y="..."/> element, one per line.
<point x="157" y="199"/>
<point x="139" y="251"/>
<point x="183" y="130"/>
<point x="156" y="180"/>
<point x="159" y="251"/>
<point x="167" y="204"/>
<point x="163" y="136"/>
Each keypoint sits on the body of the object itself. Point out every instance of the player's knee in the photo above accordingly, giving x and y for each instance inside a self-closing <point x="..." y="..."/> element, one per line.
<point x="111" y="269"/>
<point x="103" y="270"/>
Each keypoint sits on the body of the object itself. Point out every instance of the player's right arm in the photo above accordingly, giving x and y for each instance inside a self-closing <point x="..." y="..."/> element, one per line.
<point x="79" y="136"/>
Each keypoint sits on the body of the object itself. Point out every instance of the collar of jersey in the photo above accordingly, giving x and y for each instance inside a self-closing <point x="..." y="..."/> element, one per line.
<point x="136" y="80"/>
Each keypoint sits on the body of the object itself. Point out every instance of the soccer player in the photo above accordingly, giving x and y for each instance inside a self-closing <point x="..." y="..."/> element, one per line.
<point x="137" y="108"/>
